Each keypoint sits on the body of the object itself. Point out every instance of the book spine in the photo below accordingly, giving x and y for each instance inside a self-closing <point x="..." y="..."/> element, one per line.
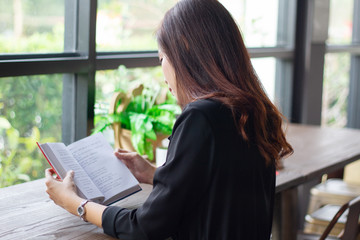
<point x="57" y="175"/>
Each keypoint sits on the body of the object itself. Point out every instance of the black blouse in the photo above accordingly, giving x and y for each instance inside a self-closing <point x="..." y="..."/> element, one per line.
<point x="212" y="186"/>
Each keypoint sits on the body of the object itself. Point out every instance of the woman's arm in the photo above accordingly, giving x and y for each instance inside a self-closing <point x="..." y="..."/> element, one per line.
<point x="63" y="193"/>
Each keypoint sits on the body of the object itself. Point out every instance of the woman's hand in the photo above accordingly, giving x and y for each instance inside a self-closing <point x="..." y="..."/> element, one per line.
<point x="142" y="169"/>
<point x="63" y="192"/>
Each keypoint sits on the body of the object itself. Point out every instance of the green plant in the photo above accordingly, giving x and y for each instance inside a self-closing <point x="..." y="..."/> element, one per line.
<point x="20" y="160"/>
<point x="151" y="112"/>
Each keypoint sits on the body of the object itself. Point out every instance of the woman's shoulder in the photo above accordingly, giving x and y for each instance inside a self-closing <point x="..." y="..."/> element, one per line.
<point x="210" y="110"/>
<point x="207" y="106"/>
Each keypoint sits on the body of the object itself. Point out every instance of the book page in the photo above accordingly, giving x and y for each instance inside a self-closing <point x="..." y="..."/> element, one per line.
<point x="97" y="158"/>
<point x="82" y="181"/>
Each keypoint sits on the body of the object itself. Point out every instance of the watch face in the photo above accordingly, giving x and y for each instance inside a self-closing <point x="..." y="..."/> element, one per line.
<point x="80" y="211"/>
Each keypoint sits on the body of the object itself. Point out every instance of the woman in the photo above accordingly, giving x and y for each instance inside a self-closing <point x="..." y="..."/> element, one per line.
<point x="218" y="181"/>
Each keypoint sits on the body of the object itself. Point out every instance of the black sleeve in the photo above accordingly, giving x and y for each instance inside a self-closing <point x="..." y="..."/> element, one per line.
<point x="179" y="185"/>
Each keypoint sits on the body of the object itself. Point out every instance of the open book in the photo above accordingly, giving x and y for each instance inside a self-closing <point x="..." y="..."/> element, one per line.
<point x="99" y="175"/>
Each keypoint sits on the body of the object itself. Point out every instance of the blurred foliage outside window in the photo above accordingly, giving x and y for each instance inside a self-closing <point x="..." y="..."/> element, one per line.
<point x="30" y="111"/>
<point x="110" y="81"/>
<point x="30" y="106"/>
<point x="258" y="25"/>
<point x="335" y="90"/>
<point x="27" y="26"/>
<point x="337" y="65"/>
<point x="129" y="25"/>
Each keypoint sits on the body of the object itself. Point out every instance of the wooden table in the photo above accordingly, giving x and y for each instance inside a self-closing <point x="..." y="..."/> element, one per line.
<point x="26" y="212"/>
<point x="316" y="151"/>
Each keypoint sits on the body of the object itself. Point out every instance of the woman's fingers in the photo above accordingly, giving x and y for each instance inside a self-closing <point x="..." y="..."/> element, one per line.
<point x="49" y="178"/>
<point x="138" y="165"/>
<point x="126" y="156"/>
<point x="48" y="173"/>
<point x="122" y="150"/>
<point x="69" y="176"/>
<point x="128" y="161"/>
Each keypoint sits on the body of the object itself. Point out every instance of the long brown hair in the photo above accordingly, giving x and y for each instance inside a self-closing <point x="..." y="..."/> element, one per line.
<point x="206" y="49"/>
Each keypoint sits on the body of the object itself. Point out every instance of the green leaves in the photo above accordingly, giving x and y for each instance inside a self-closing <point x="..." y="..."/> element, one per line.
<point x="102" y="122"/>
<point x="145" y="123"/>
<point x="4" y="123"/>
<point x="145" y="119"/>
<point x="12" y="137"/>
<point x="20" y="159"/>
<point x="141" y="131"/>
<point x="163" y="117"/>
<point x="152" y="112"/>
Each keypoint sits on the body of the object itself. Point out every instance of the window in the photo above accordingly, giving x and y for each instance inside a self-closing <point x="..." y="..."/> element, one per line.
<point x="51" y="55"/>
<point x="66" y="57"/>
<point x="258" y="24"/>
<point x="129" y="25"/>
<point x="107" y="82"/>
<point x="341" y="21"/>
<point x="341" y="74"/>
<point x="27" y="26"/>
<point x="30" y="111"/>
<point x="335" y="89"/>
<point x="265" y="69"/>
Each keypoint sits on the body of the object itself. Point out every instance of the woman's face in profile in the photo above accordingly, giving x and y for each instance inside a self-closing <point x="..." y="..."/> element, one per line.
<point x="169" y="73"/>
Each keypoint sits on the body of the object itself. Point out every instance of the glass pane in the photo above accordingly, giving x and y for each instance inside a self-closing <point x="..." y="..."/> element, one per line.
<point x="265" y="69"/>
<point x="341" y="21"/>
<point x="129" y="25"/>
<point x="30" y="111"/>
<point x="31" y="26"/>
<point x="335" y="90"/>
<point x="258" y="24"/>
<point x="110" y="81"/>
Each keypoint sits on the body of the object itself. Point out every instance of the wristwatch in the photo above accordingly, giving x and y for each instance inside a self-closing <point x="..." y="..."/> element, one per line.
<point x="81" y="210"/>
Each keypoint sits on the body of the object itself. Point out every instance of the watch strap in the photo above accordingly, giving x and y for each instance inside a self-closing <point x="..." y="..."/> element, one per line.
<point x="81" y="209"/>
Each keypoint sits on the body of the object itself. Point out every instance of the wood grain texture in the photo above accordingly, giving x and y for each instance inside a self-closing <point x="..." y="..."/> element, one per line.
<point x="317" y="151"/>
<point x="26" y="212"/>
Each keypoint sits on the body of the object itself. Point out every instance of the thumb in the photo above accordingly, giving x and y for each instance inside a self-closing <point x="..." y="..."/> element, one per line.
<point x="69" y="176"/>
<point x="126" y="156"/>
<point x="120" y="155"/>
